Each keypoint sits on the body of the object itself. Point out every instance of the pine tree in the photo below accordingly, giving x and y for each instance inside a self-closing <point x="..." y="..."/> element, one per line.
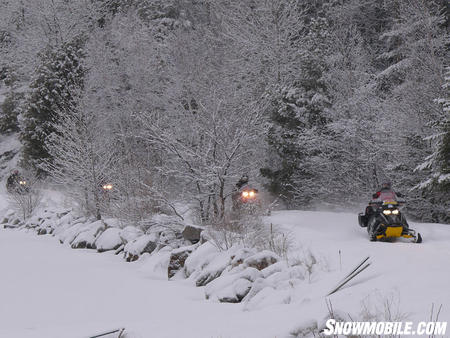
<point x="55" y="84"/>
<point x="9" y="111"/>
<point x="298" y="123"/>
<point x="436" y="187"/>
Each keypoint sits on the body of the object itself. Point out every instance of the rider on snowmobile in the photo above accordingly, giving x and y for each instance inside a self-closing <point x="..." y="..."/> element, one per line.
<point x="15" y="183"/>
<point x="242" y="181"/>
<point x="383" y="218"/>
<point x="384" y="193"/>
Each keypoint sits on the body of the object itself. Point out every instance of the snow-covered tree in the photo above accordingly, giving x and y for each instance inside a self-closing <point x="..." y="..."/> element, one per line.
<point x="299" y="114"/>
<point x="82" y="158"/>
<point x="437" y="165"/>
<point x="56" y="81"/>
<point x="208" y="130"/>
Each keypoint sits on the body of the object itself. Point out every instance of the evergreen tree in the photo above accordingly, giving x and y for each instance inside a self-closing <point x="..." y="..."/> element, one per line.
<point x="56" y="82"/>
<point x="437" y="165"/>
<point x="298" y="123"/>
<point x="9" y="111"/>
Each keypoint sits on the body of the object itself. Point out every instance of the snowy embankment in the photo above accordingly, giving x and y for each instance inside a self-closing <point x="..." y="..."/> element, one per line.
<point x="49" y="290"/>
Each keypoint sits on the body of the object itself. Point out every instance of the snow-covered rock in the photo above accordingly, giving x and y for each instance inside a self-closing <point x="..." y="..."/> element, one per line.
<point x="200" y="258"/>
<point x="109" y="240"/>
<point x="155" y="265"/>
<point x="261" y="260"/>
<point x="65" y="223"/>
<point x="214" y="269"/>
<point x="86" y="239"/>
<point x="47" y="226"/>
<point x="207" y="263"/>
<point x="232" y="287"/>
<point x="192" y="233"/>
<point x="306" y="329"/>
<point x="112" y="222"/>
<point x="68" y="233"/>
<point x="177" y="259"/>
<point x="143" y="244"/>
<point x="130" y="233"/>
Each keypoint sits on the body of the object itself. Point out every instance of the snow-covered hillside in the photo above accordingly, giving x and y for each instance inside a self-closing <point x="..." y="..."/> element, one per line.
<point x="48" y="290"/>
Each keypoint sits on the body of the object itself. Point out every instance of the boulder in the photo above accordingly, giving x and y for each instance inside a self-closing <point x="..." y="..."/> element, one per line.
<point x="178" y="258"/>
<point x="200" y="258"/>
<point x="86" y="239"/>
<point x="261" y="260"/>
<point x="112" y="222"/>
<point x="10" y="226"/>
<point x="235" y="292"/>
<point x="232" y="287"/>
<point x="135" y="248"/>
<point x="130" y="233"/>
<point x="42" y="231"/>
<point x="62" y="214"/>
<point x="109" y="240"/>
<point x="192" y="233"/>
<point x="214" y="269"/>
<point x="209" y="263"/>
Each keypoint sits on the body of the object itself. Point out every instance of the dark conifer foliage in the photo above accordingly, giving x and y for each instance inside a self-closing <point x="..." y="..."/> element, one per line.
<point x="57" y="81"/>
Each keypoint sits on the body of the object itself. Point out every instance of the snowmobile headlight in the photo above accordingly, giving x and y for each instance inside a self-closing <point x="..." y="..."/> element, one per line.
<point x="395" y="211"/>
<point x="245" y="193"/>
<point x="22" y="182"/>
<point x="107" y="187"/>
<point x="387" y="212"/>
<point x="251" y="194"/>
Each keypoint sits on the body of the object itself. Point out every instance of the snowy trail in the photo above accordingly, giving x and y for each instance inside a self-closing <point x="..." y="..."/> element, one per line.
<point x="414" y="275"/>
<point x="49" y="290"/>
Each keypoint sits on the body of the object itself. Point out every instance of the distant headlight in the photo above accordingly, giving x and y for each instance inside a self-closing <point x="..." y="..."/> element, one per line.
<point x="387" y="212"/>
<point x="395" y="212"/>
<point x="245" y="193"/>
<point x="252" y="193"/>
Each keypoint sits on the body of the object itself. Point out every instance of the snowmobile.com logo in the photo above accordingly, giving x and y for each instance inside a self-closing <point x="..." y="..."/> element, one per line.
<point x="384" y="328"/>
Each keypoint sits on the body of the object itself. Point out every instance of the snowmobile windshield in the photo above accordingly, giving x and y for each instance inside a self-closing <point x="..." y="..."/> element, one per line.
<point x="387" y="196"/>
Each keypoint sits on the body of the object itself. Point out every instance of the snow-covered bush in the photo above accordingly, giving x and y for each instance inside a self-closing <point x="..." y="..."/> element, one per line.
<point x="250" y="231"/>
<point x="27" y="198"/>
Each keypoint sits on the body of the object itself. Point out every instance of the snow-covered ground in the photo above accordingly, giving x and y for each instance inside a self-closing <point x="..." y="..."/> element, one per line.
<point x="49" y="290"/>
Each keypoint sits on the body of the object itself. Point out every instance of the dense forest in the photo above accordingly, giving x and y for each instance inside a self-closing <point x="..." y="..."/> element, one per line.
<point x="172" y="101"/>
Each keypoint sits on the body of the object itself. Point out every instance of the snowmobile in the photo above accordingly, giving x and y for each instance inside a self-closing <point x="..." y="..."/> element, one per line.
<point x="17" y="185"/>
<point x="386" y="221"/>
<point x="247" y="198"/>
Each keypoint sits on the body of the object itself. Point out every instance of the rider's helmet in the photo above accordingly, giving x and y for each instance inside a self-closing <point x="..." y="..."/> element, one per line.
<point x="386" y="185"/>
<point x="16" y="172"/>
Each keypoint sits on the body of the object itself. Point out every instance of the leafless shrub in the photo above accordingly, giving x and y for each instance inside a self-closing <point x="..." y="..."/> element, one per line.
<point x="310" y="261"/>
<point x="251" y="232"/>
<point x="434" y="318"/>
<point x="382" y="308"/>
<point x="27" y="198"/>
<point x="225" y="233"/>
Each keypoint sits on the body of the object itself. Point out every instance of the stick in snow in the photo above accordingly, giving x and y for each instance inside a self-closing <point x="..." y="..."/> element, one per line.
<point x="120" y="331"/>
<point x="356" y="271"/>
